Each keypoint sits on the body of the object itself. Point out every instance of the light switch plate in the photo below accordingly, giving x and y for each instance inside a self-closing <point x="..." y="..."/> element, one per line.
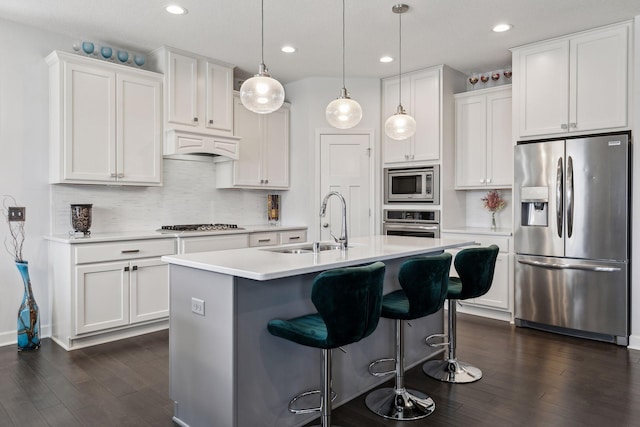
<point x="16" y="213"/>
<point x="197" y="306"/>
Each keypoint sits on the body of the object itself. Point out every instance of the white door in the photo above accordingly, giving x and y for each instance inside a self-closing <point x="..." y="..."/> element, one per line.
<point x="182" y="83"/>
<point x="149" y="290"/>
<point x="345" y="167"/>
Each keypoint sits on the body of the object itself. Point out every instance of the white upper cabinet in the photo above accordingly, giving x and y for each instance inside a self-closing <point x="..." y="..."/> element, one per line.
<point x="198" y="103"/>
<point x="105" y="122"/>
<point x="577" y="83"/>
<point x="421" y="99"/>
<point x="264" y="151"/>
<point x="484" y="150"/>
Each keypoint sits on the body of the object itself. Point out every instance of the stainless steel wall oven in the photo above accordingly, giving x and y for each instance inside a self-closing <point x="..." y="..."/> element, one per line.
<point x="416" y="223"/>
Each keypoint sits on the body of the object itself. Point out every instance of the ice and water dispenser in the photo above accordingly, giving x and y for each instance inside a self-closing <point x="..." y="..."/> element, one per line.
<point x="535" y="206"/>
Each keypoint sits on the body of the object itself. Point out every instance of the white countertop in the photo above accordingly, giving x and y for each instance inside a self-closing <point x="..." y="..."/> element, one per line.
<point x="264" y="264"/>
<point x="153" y="234"/>
<point x="478" y="230"/>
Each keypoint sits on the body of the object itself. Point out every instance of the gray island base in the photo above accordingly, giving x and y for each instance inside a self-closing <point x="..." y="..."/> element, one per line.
<point x="227" y="370"/>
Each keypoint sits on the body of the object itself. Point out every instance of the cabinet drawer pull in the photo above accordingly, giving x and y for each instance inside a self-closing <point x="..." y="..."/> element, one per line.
<point x="263" y="240"/>
<point x="294" y="238"/>
<point x="195" y="119"/>
<point x="112" y="175"/>
<point x="120" y="175"/>
<point x="134" y="268"/>
<point x="131" y="251"/>
<point x="210" y="122"/>
<point x="573" y="125"/>
<point x="563" y="126"/>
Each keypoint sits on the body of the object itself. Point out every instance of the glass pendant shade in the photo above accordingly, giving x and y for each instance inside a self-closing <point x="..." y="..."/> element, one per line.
<point x="400" y="126"/>
<point x="344" y="112"/>
<point x="261" y="93"/>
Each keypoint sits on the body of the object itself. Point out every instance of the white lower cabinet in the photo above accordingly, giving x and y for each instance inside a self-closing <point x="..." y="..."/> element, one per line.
<point x="108" y="291"/>
<point x="497" y="302"/>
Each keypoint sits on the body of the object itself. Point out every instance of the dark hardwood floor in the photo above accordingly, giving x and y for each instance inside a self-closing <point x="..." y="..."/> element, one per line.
<point x="531" y="378"/>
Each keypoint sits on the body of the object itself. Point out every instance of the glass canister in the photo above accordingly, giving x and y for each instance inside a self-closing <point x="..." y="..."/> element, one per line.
<point x="81" y="218"/>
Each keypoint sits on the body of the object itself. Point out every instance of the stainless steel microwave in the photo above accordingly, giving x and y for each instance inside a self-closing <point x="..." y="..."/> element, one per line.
<point x="412" y="185"/>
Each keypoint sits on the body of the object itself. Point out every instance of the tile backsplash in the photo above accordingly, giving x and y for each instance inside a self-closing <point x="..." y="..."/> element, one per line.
<point x="189" y="195"/>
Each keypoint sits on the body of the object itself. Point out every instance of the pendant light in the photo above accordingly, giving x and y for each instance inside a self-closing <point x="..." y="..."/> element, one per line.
<point x="401" y="125"/>
<point x="344" y="112"/>
<point x="261" y="93"/>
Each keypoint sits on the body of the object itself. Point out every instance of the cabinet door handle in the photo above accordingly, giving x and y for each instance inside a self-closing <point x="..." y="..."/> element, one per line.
<point x="266" y="181"/>
<point x="563" y="126"/>
<point x="126" y="268"/>
<point x="406" y="157"/>
<point x="131" y="251"/>
<point x="262" y="181"/>
<point x="482" y="181"/>
<point x="210" y="121"/>
<point x="134" y="268"/>
<point x="121" y="175"/>
<point x="195" y="119"/>
<point x="573" y="125"/>
<point x="113" y="175"/>
<point x="413" y="156"/>
<point x="488" y="180"/>
<point x="263" y="240"/>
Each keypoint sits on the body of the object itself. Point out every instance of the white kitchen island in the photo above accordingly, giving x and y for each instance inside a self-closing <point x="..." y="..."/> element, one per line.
<point x="227" y="370"/>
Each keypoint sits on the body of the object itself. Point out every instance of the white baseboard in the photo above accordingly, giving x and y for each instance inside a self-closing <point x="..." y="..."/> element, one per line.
<point x="11" y="337"/>
<point x="634" y="342"/>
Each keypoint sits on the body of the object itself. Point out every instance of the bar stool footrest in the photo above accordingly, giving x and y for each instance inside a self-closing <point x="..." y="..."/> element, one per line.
<point x="293" y="401"/>
<point x="437" y="344"/>
<point x="381" y="374"/>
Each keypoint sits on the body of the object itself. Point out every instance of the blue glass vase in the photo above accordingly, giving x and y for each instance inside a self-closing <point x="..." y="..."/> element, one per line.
<point x="28" y="314"/>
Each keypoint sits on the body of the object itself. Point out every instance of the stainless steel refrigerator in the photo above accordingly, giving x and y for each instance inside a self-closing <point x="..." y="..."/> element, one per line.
<point x="572" y="238"/>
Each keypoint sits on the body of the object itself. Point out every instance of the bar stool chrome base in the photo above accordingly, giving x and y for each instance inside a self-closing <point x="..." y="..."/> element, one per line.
<point x="402" y="405"/>
<point x="451" y="371"/>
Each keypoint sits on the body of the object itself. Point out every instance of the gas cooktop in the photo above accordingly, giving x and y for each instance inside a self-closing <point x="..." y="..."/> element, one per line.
<point x="199" y="227"/>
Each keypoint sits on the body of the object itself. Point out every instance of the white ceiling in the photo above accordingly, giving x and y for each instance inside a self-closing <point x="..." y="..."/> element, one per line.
<point x="453" y="32"/>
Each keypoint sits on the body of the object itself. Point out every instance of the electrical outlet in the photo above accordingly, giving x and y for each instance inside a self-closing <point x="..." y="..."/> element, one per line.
<point x="197" y="306"/>
<point x="16" y="214"/>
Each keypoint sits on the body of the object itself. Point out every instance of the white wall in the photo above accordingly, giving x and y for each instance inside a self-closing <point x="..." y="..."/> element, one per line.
<point x="309" y="98"/>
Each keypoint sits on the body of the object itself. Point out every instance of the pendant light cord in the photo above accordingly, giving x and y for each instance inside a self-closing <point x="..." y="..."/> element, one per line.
<point x="262" y="31"/>
<point x="400" y="62"/>
<point x="343" y="56"/>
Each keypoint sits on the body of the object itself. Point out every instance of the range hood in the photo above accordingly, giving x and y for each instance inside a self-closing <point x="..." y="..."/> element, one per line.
<point x="177" y="142"/>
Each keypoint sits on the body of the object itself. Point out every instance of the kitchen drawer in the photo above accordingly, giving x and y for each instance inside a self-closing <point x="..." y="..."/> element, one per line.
<point x="189" y="245"/>
<point x="123" y="250"/>
<point x="294" y="236"/>
<point x="263" y="239"/>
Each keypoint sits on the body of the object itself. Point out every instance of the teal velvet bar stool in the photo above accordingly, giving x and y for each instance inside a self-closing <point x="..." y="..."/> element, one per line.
<point x="424" y="282"/>
<point x="349" y="301"/>
<point x="475" y="266"/>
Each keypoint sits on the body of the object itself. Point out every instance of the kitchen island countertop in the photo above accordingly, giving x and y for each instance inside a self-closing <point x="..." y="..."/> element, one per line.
<point x="266" y="263"/>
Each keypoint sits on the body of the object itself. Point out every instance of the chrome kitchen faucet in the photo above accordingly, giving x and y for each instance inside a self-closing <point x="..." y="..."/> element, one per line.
<point x="343" y="240"/>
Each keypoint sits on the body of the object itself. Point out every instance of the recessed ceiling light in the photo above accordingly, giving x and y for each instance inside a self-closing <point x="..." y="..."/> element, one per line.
<point x="174" y="9"/>
<point x="386" y="59"/>
<point x="288" y="49"/>
<point x="501" y="28"/>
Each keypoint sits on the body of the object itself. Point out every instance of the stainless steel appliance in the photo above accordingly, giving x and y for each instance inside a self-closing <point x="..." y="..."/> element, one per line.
<point x="416" y="223"/>
<point x="572" y="236"/>
<point x="412" y="185"/>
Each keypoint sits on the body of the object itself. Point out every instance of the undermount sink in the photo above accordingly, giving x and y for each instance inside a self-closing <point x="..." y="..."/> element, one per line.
<point x="306" y="248"/>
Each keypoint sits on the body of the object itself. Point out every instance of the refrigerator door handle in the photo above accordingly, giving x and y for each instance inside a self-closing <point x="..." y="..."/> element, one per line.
<point x="559" y="196"/>
<point x="552" y="265"/>
<point x="569" y="197"/>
